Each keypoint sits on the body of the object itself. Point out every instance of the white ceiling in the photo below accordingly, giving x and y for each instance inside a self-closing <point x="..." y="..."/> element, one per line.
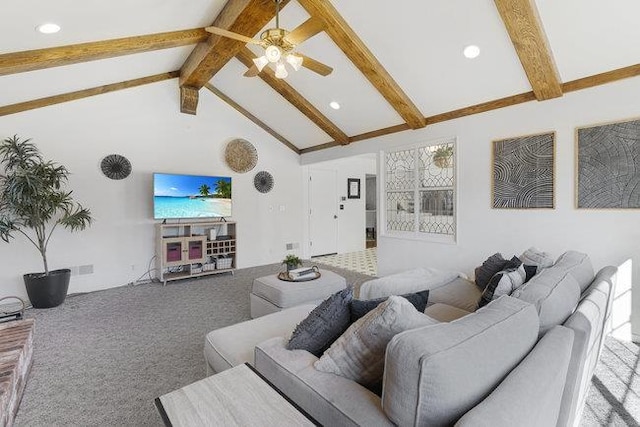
<point x="419" y="42"/>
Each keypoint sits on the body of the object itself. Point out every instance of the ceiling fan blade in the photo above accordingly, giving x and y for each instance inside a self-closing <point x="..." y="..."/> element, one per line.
<point x="315" y="66"/>
<point x="305" y="31"/>
<point x="251" y="72"/>
<point x="232" y="35"/>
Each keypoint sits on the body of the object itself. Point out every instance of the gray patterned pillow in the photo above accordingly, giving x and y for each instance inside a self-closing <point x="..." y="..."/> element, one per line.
<point x="324" y="324"/>
<point x="489" y="267"/>
<point x="504" y="282"/>
<point x="359" y="353"/>
<point x="534" y="256"/>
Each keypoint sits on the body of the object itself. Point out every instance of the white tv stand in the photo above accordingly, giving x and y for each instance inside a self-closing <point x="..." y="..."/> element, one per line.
<point x="193" y="249"/>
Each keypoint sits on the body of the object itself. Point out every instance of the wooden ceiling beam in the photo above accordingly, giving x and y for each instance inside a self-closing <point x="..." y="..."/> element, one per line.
<point x="572" y="86"/>
<point x="251" y="117"/>
<point x="527" y="34"/>
<point x="189" y="97"/>
<point x="245" y="17"/>
<point x="30" y="60"/>
<point x="358" y="53"/>
<point x="85" y="93"/>
<point x="602" y="78"/>
<point x="290" y="94"/>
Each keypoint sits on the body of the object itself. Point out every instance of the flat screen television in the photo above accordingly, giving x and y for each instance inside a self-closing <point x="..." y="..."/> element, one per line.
<point x="191" y="196"/>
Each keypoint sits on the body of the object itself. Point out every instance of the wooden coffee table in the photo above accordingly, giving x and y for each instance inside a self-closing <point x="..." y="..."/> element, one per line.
<point x="239" y="396"/>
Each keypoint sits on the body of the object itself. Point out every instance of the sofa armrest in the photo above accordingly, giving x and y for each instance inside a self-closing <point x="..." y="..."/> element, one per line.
<point x="331" y="399"/>
<point x="416" y="280"/>
<point x="531" y="394"/>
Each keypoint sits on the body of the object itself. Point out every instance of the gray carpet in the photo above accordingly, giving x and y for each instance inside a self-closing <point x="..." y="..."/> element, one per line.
<point x="102" y="358"/>
<point x="614" y="397"/>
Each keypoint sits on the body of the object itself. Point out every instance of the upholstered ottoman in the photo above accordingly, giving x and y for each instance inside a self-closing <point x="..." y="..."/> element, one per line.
<point x="270" y="294"/>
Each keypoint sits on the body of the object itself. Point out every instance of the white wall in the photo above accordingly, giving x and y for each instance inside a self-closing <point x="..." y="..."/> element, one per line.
<point x="351" y="220"/>
<point x="608" y="236"/>
<point x="145" y="125"/>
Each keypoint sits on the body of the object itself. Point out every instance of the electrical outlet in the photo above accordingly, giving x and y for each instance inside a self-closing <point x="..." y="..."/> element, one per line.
<point x="85" y="269"/>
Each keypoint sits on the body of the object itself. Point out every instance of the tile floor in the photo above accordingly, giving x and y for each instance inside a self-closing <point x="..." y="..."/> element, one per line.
<point x="365" y="262"/>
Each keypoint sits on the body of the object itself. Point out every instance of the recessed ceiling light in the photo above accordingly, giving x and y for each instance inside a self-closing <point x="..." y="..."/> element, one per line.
<point x="471" y="51"/>
<point x="48" y="28"/>
<point x="334" y="105"/>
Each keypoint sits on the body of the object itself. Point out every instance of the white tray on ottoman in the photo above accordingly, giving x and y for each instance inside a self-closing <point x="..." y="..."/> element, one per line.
<point x="270" y="294"/>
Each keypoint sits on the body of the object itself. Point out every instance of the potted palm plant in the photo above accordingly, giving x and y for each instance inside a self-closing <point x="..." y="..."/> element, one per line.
<point x="34" y="202"/>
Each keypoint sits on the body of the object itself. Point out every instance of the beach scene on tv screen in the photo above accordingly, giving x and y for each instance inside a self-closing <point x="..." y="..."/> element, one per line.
<point x="191" y="196"/>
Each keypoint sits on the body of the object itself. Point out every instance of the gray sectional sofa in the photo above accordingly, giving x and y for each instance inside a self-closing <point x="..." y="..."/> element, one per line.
<point x="525" y="359"/>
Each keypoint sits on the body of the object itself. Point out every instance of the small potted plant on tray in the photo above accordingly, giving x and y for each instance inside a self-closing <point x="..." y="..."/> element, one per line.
<point x="292" y="262"/>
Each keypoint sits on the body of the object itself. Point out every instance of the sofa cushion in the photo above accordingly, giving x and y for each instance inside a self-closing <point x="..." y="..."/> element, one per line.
<point x="233" y="345"/>
<point x="409" y="281"/>
<point x="534" y="256"/>
<point x="361" y="307"/>
<point x="489" y="267"/>
<point x="359" y="353"/>
<point x="539" y="378"/>
<point x="460" y="293"/>
<point x="434" y="375"/>
<point x="323" y="325"/>
<point x="444" y="312"/>
<point x="504" y="282"/>
<point x="330" y="399"/>
<point x="554" y="293"/>
<point x="578" y="265"/>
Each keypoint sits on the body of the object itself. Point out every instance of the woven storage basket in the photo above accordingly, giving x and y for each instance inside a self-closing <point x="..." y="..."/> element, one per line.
<point x="223" y="263"/>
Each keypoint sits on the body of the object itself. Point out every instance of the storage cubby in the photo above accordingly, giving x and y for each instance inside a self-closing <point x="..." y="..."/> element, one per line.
<point x="192" y="249"/>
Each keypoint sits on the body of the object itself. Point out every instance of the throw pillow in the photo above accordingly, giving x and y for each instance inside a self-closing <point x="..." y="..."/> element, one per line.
<point x="489" y="267"/>
<point x="361" y="307"/>
<point x="323" y="325"/>
<point x="504" y="282"/>
<point x="531" y="271"/>
<point x="534" y="256"/>
<point x="359" y="353"/>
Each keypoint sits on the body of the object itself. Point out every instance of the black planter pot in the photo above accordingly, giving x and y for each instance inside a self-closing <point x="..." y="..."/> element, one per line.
<point x="46" y="291"/>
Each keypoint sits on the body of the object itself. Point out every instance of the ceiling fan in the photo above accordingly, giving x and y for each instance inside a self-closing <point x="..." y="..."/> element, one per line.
<point x="279" y="48"/>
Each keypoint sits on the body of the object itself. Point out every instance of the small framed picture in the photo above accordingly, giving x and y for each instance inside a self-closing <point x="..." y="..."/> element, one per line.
<point x="353" y="188"/>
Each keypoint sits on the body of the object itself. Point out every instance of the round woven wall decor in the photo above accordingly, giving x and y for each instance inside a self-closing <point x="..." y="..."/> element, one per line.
<point x="241" y="155"/>
<point x="263" y="181"/>
<point x="115" y="166"/>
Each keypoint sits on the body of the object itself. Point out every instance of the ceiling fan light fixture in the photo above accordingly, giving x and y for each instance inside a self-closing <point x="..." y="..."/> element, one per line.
<point x="281" y="71"/>
<point x="273" y="53"/>
<point x="295" y="61"/>
<point x="260" y="62"/>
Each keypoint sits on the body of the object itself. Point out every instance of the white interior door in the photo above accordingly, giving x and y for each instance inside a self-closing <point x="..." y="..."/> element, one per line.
<point x="323" y="217"/>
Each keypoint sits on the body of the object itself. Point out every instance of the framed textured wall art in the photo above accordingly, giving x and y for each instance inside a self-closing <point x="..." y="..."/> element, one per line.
<point x="608" y="166"/>
<point x="523" y="172"/>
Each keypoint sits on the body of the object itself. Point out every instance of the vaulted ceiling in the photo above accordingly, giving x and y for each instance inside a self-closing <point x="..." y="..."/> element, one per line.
<point x="396" y="65"/>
